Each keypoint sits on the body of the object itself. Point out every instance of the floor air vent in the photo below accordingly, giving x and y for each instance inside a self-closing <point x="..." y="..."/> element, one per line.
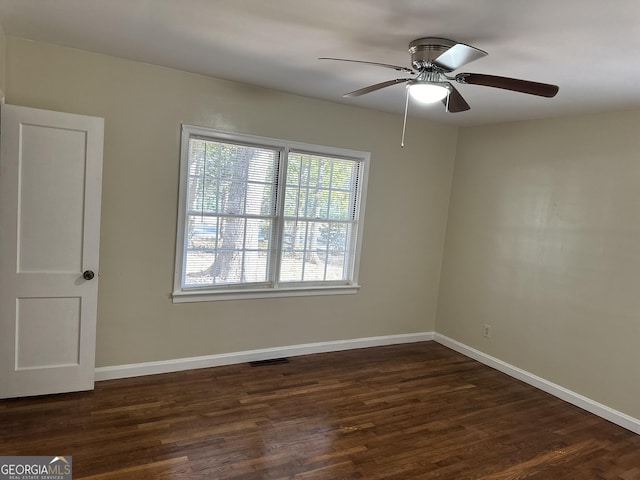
<point x="271" y="361"/>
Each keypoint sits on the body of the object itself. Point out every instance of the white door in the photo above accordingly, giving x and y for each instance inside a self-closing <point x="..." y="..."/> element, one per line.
<point x="50" y="188"/>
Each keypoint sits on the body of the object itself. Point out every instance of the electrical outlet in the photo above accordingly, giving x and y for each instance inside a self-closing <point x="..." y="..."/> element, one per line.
<point x="486" y="331"/>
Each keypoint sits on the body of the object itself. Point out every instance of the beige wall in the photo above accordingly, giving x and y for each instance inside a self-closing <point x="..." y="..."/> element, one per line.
<point x="543" y="244"/>
<point x="143" y="107"/>
<point x="3" y="50"/>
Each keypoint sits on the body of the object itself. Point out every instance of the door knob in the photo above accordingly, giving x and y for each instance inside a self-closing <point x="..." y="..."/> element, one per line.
<point x="88" y="275"/>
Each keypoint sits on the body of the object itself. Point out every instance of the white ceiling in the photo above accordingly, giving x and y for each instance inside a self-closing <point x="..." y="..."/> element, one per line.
<point x="590" y="48"/>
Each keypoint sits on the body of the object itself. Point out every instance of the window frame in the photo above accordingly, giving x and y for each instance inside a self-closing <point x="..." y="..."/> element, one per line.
<point x="273" y="287"/>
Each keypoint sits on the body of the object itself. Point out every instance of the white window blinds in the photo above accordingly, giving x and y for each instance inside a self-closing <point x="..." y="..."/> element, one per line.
<point x="265" y="215"/>
<point x="231" y="196"/>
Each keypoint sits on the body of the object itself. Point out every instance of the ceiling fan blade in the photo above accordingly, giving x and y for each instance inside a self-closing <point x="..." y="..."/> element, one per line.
<point x="385" y="65"/>
<point x="458" y="55"/>
<point x="506" y="83"/>
<point x="377" y="86"/>
<point x="455" y="102"/>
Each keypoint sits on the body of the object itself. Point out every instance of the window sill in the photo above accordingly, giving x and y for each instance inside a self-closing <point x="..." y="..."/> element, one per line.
<point x="182" y="296"/>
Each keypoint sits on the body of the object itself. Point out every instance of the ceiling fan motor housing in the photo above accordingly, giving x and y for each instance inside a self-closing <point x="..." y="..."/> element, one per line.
<point x="425" y="50"/>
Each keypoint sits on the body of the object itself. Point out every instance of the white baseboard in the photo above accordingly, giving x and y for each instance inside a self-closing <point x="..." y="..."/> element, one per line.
<point x="179" y="364"/>
<point x="614" y="416"/>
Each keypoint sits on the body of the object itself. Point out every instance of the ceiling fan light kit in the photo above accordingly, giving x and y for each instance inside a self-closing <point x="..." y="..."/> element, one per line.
<point x="432" y="59"/>
<point x="428" y="92"/>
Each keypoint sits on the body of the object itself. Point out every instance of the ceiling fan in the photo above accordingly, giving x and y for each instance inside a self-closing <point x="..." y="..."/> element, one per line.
<point x="432" y="60"/>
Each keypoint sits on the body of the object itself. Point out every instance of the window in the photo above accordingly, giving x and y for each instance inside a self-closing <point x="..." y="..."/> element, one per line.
<point x="264" y="217"/>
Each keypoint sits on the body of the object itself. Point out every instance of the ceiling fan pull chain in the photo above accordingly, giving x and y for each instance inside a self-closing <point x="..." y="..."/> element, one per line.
<point x="404" y="124"/>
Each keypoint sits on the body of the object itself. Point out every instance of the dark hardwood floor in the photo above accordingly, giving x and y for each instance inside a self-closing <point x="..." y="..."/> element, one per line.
<point x="416" y="411"/>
